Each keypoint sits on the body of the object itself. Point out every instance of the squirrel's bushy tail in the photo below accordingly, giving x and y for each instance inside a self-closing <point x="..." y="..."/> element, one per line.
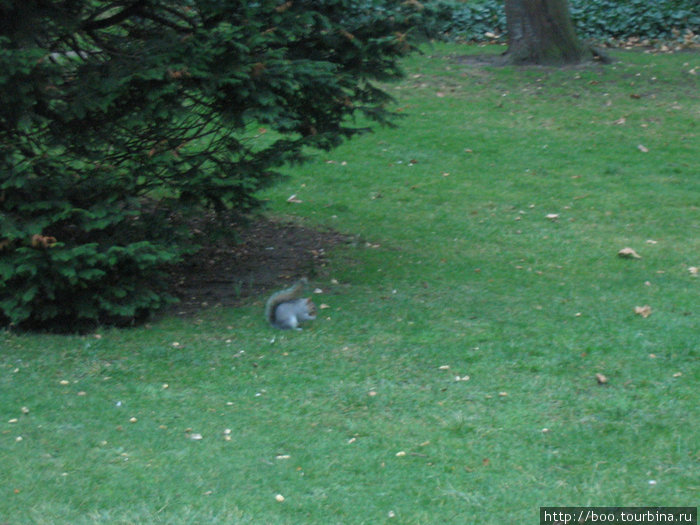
<point x="288" y="294"/>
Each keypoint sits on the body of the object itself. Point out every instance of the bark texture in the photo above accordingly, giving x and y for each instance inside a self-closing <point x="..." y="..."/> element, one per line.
<point x="541" y="32"/>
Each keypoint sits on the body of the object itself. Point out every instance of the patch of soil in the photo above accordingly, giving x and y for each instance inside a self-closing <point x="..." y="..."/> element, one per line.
<point x="596" y="57"/>
<point x="480" y="60"/>
<point x="264" y="255"/>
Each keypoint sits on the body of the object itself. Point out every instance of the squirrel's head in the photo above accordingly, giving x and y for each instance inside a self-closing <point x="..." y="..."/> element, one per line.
<point x="310" y="306"/>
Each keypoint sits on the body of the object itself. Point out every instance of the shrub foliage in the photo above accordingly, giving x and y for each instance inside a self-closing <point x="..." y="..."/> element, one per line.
<point x="601" y="20"/>
<point x="120" y="118"/>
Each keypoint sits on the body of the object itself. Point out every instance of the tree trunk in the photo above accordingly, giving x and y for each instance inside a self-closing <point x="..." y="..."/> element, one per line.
<point x="541" y="32"/>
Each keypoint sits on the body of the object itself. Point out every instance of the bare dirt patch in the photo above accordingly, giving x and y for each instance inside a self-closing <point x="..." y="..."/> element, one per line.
<point x="597" y="57"/>
<point x="264" y="255"/>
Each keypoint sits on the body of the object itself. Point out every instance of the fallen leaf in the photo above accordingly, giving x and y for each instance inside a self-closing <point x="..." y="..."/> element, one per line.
<point x="279" y="497"/>
<point x="293" y="198"/>
<point x="400" y="454"/>
<point x="642" y="148"/>
<point x="644" y="311"/>
<point x="620" y="121"/>
<point x="601" y="379"/>
<point x="552" y="216"/>
<point x="628" y="253"/>
<point x="693" y="271"/>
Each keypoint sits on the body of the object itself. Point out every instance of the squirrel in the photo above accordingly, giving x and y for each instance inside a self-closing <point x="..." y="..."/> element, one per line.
<point x="286" y="309"/>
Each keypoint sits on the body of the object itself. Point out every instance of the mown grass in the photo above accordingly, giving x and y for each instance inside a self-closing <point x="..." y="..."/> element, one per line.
<point x="459" y="272"/>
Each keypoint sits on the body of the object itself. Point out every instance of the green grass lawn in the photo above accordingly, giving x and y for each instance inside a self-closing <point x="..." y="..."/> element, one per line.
<point x="490" y="222"/>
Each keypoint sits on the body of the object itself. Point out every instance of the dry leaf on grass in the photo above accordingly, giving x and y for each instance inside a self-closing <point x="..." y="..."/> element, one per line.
<point x="644" y="311"/>
<point x="189" y="434"/>
<point x="628" y="253"/>
<point x="601" y="379"/>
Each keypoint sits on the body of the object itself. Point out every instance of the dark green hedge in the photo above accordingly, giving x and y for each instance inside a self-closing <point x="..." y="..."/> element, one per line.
<point x="600" y="20"/>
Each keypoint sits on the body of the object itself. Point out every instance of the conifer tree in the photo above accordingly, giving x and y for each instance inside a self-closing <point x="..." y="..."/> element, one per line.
<point x="120" y="116"/>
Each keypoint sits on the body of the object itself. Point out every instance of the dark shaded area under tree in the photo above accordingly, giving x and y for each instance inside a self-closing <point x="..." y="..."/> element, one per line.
<point x="262" y="256"/>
